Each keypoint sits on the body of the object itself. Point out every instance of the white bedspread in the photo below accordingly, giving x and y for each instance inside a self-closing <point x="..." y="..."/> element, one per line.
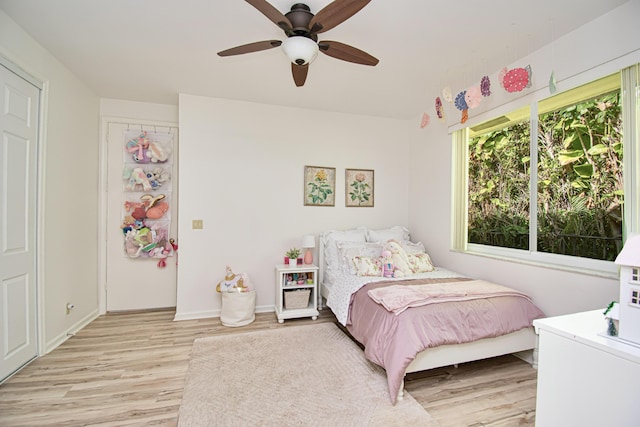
<point x="346" y="284"/>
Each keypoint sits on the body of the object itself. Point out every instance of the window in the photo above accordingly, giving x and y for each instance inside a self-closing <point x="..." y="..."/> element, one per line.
<point x="580" y="183"/>
<point x="499" y="179"/>
<point x="547" y="182"/>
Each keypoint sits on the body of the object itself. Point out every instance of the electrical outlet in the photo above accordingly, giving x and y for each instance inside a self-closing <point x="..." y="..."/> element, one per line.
<point x="196" y="224"/>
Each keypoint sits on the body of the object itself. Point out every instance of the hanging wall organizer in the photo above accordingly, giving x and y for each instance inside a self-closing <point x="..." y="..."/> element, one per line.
<point x="146" y="206"/>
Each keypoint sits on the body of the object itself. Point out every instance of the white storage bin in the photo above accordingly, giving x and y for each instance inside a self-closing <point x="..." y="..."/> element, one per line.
<point x="238" y="308"/>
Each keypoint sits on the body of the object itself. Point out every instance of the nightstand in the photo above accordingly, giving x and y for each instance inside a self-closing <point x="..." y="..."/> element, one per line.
<point x="294" y="299"/>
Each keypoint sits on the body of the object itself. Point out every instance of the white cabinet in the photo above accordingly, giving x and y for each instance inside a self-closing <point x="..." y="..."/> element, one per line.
<point x="296" y="291"/>
<point x="584" y="377"/>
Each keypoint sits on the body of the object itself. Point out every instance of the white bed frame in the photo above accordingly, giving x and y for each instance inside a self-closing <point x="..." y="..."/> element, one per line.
<point x="453" y="354"/>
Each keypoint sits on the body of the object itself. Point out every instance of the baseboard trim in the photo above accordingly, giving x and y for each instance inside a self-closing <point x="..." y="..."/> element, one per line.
<point x="194" y="315"/>
<point x="61" y="338"/>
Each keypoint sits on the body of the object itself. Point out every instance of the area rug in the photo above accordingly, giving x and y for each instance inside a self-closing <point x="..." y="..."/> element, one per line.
<point x="311" y="375"/>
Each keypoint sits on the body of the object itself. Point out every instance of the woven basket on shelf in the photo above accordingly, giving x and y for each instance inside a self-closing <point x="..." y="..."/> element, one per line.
<point x="296" y="299"/>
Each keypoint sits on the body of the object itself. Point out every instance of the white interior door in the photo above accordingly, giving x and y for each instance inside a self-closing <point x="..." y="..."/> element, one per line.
<point x="19" y="103"/>
<point x="136" y="283"/>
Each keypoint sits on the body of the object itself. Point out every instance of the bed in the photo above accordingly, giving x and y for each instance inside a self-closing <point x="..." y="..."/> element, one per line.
<point x="430" y="318"/>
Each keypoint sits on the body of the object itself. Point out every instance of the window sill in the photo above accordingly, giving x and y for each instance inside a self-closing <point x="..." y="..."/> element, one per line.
<point x="594" y="268"/>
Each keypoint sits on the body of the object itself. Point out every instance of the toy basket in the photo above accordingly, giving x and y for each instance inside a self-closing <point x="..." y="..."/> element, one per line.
<point x="238" y="308"/>
<point x="296" y="299"/>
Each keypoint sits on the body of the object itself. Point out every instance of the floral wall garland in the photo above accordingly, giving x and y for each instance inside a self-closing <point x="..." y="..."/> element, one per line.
<point x="513" y="80"/>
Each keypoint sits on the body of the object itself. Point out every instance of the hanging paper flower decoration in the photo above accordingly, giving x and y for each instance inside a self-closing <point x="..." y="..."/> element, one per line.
<point x="425" y="120"/>
<point x="485" y="86"/>
<point x="446" y="94"/>
<point x="516" y="79"/>
<point x="439" y="110"/>
<point x="552" y="83"/>
<point x="460" y="103"/>
<point x="465" y="116"/>
<point x="501" y="75"/>
<point x="473" y="96"/>
<point x="528" y="68"/>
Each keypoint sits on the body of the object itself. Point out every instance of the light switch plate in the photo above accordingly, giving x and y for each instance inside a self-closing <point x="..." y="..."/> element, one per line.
<point x="196" y="224"/>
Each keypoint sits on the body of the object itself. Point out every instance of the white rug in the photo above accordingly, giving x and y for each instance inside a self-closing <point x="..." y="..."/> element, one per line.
<point x="310" y="375"/>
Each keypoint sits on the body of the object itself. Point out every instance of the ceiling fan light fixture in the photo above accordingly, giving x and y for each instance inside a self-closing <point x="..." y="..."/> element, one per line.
<point x="300" y="50"/>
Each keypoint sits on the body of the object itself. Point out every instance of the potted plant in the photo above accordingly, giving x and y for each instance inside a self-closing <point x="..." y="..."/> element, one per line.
<point x="293" y="255"/>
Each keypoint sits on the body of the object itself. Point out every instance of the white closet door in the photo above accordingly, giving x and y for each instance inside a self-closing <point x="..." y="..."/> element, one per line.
<point x="19" y="101"/>
<point x="135" y="284"/>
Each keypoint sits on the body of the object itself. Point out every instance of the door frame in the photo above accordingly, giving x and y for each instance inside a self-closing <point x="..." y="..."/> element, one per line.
<point x="43" y="87"/>
<point x="103" y="184"/>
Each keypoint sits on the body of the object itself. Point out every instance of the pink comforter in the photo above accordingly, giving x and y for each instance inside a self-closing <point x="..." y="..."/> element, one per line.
<point x="392" y="341"/>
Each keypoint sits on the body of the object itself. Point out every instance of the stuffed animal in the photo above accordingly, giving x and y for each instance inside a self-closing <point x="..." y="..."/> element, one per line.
<point x="131" y="246"/>
<point x="144" y="238"/>
<point x="232" y="282"/>
<point x="158" y="152"/>
<point x="137" y="210"/>
<point x="128" y="224"/>
<point x="137" y="177"/>
<point x="157" y="211"/>
<point x="399" y="258"/>
<point x="157" y="177"/>
<point x="387" y="264"/>
<point x="145" y="157"/>
<point x="150" y="201"/>
<point x="137" y="146"/>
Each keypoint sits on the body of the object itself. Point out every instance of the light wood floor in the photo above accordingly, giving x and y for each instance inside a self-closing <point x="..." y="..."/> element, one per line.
<point x="128" y="369"/>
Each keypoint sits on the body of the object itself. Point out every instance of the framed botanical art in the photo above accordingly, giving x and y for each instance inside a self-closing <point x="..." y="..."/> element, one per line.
<point x="319" y="186"/>
<point x="358" y="187"/>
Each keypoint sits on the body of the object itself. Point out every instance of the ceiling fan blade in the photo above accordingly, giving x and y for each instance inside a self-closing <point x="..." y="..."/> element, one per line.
<point x="335" y="13"/>
<point x="299" y="73"/>
<point x="272" y="13"/>
<point x="346" y="53"/>
<point x="251" y="47"/>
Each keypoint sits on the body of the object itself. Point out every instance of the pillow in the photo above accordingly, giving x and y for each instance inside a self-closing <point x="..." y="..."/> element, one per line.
<point x="398" y="233"/>
<point x="413" y="248"/>
<point x="367" y="266"/>
<point x="331" y="255"/>
<point x="349" y="250"/>
<point x="420" y="262"/>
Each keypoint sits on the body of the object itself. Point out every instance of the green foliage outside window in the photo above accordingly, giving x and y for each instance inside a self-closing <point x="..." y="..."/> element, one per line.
<point x="499" y="187"/>
<point x="580" y="185"/>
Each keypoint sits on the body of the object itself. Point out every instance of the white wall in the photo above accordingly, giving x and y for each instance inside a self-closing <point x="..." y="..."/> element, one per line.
<point x="594" y="50"/>
<point x="241" y="172"/>
<point x="68" y="265"/>
<point x="131" y="110"/>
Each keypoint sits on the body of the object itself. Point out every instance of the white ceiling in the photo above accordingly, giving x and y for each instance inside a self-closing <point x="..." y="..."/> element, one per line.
<point x="151" y="50"/>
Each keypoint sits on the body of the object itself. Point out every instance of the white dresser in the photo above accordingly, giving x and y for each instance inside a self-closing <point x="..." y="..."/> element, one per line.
<point x="585" y="378"/>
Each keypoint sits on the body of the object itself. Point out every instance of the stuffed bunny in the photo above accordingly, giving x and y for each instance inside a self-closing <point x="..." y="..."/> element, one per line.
<point x="399" y="258"/>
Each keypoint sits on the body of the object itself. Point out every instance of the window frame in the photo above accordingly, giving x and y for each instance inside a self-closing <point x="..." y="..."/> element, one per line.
<point x="630" y="90"/>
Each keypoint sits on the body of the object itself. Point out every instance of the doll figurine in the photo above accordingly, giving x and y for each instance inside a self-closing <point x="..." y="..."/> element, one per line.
<point x="387" y="264"/>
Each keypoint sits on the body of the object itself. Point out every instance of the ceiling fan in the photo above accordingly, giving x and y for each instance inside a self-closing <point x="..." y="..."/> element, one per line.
<point x="302" y="28"/>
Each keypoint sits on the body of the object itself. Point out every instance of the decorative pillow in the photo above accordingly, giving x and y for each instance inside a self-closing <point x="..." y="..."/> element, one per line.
<point x="367" y="266"/>
<point x="398" y="233"/>
<point x="420" y="262"/>
<point x="413" y="248"/>
<point x="331" y="255"/>
<point x="349" y="250"/>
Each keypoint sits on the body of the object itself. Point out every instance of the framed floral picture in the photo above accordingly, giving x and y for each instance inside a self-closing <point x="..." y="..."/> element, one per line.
<point x="358" y="187"/>
<point x="319" y="186"/>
